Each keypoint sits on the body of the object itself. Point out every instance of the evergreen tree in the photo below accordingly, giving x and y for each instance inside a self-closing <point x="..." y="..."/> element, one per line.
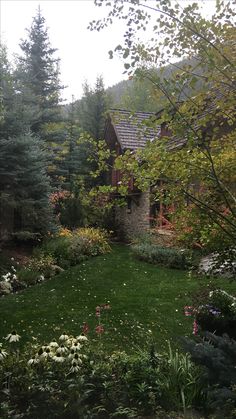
<point x="217" y="356"/>
<point x="38" y="75"/>
<point x="92" y="109"/>
<point x="24" y="186"/>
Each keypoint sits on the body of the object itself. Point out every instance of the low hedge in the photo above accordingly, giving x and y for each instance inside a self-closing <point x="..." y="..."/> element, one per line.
<point x="169" y="257"/>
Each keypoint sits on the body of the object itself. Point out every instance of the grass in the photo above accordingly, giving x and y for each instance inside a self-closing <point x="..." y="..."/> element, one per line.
<point x="146" y="302"/>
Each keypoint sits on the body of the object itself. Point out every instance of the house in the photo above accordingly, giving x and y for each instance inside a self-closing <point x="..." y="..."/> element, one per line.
<point x="125" y="130"/>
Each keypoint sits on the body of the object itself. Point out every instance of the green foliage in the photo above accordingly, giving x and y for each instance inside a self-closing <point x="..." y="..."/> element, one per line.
<point x="194" y="230"/>
<point x="91" y="109"/>
<point x="217" y="313"/>
<point x="169" y="257"/>
<point x="217" y="355"/>
<point x="223" y="263"/>
<point x="147" y="301"/>
<point x="198" y="165"/>
<point x="28" y="276"/>
<point x="180" y="382"/>
<point x="74" y="378"/>
<point x="24" y="185"/>
<point x="42" y="264"/>
<point x="37" y="75"/>
<point x="72" y="247"/>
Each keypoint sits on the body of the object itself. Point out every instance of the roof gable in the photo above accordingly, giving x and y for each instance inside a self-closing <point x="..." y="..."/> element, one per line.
<point x="132" y="128"/>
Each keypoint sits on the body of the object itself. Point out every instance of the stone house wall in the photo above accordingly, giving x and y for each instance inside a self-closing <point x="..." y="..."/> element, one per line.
<point x="134" y="218"/>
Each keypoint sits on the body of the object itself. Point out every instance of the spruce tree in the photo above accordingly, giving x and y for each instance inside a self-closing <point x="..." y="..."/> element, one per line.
<point x="38" y="74"/>
<point x="24" y="185"/>
<point x="92" y="109"/>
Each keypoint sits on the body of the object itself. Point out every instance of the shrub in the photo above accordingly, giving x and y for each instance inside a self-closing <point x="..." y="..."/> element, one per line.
<point x="218" y="357"/>
<point x="58" y="248"/>
<point x="70" y="378"/>
<point x="43" y="264"/>
<point x="171" y="258"/>
<point x="71" y="247"/>
<point x="10" y="282"/>
<point x="29" y="277"/>
<point x="193" y="230"/>
<point x="96" y="240"/>
<point x="26" y="236"/>
<point x="221" y="264"/>
<point x="218" y="313"/>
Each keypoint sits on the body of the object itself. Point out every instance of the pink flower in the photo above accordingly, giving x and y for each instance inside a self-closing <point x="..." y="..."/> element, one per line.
<point x="188" y="311"/>
<point x="99" y="329"/>
<point x="195" y="327"/>
<point x="85" y="328"/>
<point x="98" y="312"/>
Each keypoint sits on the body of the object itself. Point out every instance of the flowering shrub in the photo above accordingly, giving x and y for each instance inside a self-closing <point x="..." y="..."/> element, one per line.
<point x="70" y="378"/>
<point x="216" y="314"/>
<point x="10" y="282"/>
<point x="36" y="270"/>
<point x="43" y="264"/>
<point x="222" y="263"/>
<point x="64" y="232"/>
<point x="72" y="247"/>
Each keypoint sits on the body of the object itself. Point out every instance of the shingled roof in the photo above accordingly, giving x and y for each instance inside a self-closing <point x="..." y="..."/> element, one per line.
<point x="132" y="128"/>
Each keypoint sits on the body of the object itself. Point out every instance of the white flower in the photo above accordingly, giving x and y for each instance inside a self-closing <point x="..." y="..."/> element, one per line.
<point x="53" y="344"/>
<point x="82" y="338"/>
<point x="14" y="276"/>
<point x="77" y="359"/>
<point x="72" y="353"/>
<point x="76" y="346"/>
<point x="62" y="349"/>
<point x="7" y="277"/>
<point x="13" y="337"/>
<point x="33" y="361"/>
<point x="3" y="354"/>
<point x="211" y="293"/>
<point x="46" y="352"/>
<point x="75" y="367"/>
<point x="58" y="358"/>
<point x="63" y="337"/>
<point x="70" y="341"/>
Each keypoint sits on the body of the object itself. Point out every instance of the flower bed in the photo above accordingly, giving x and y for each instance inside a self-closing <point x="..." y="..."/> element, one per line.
<point x="72" y="377"/>
<point x="66" y="249"/>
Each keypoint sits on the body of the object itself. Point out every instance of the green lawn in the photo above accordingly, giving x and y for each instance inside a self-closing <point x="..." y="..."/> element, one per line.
<point x="146" y="302"/>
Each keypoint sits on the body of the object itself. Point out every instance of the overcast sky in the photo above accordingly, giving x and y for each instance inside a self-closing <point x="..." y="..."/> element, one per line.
<point x="83" y="54"/>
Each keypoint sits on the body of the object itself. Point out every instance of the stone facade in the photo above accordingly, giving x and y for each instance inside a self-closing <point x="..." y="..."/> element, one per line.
<point x="134" y="218"/>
